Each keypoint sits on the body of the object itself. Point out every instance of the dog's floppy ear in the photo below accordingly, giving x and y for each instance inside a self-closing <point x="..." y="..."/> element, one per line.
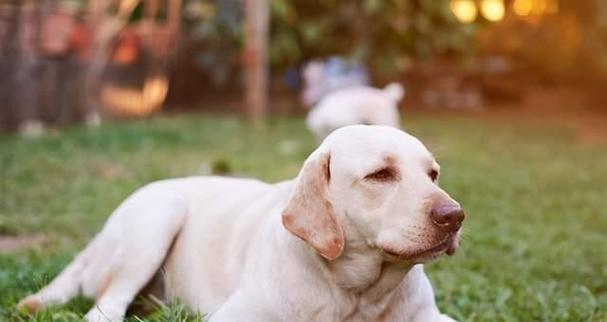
<point x="309" y="214"/>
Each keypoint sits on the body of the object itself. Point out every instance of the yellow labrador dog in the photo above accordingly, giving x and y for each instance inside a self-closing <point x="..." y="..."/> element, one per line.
<point x="340" y="243"/>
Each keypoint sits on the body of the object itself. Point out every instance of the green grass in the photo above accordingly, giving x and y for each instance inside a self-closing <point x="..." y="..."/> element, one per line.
<point x="534" y="249"/>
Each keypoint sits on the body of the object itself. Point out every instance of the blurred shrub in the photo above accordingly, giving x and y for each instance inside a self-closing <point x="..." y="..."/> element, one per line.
<point x="214" y="36"/>
<point x="387" y="35"/>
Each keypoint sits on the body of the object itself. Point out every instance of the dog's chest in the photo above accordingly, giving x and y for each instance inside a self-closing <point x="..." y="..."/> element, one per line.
<point x="357" y="308"/>
<point x="375" y="304"/>
<point x="369" y="290"/>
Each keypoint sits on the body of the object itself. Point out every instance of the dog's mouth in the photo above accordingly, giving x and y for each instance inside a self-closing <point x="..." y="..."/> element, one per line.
<point x="448" y="245"/>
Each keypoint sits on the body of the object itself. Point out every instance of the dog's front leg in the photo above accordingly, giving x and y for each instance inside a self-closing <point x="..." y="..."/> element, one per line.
<point x="240" y="308"/>
<point x="420" y="299"/>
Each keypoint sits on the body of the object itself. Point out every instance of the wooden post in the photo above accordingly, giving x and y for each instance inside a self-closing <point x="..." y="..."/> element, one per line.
<point x="255" y="59"/>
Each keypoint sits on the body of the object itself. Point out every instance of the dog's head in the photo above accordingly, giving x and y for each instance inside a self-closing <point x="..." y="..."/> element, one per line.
<point x="382" y="185"/>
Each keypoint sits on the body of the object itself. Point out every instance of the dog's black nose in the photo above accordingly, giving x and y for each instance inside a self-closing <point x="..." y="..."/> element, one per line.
<point x="447" y="216"/>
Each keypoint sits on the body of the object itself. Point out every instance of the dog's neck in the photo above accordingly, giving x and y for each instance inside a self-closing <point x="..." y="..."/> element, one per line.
<point x="365" y="284"/>
<point x="359" y="269"/>
<point x="368" y="286"/>
<point x="362" y="269"/>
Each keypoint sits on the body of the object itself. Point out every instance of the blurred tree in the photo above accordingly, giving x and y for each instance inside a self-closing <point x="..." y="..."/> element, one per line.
<point x="19" y="64"/>
<point x="51" y="51"/>
<point x="387" y="35"/>
<point x="117" y="41"/>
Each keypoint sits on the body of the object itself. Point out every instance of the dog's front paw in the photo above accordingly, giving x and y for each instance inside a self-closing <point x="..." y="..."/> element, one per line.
<point x="30" y="304"/>
<point x="97" y="314"/>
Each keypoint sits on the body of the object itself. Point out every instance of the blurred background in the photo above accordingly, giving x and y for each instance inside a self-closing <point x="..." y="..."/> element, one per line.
<point x="100" y="97"/>
<point x="75" y="61"/>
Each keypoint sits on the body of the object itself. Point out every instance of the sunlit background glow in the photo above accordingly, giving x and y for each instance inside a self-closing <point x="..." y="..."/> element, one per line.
<point x="467" y="11"/>
<point x="523" y="7"/>
<point x="535" y="7"/>
<point x="464" y="10"/>
<point x="132" y="102"/>
<point x="493" y="10"/>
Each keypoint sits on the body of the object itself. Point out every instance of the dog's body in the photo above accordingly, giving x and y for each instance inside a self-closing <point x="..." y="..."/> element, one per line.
<point x="340" y="243"/>
<point x="356" y="105"/>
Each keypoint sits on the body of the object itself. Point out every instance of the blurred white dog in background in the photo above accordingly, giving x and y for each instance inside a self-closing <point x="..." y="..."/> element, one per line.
<point x="356" y="105"/>
<point x="339" y="96"/>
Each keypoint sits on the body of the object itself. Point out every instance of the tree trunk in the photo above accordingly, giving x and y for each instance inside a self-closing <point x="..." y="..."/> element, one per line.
<point x="255" y="59"/>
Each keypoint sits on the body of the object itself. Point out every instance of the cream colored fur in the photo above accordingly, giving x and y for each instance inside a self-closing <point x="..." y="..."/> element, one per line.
<point x="340" y="243"/>
<point x="356" y="105"/>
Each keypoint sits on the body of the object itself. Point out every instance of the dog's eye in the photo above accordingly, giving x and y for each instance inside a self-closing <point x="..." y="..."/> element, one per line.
<point x="386" y="174"/>
<point x="433" y="174"/>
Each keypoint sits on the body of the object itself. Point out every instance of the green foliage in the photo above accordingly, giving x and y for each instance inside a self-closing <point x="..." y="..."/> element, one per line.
<point x="534" y="240"/>
<point x="387" y="35"/>
<point x="214" y="34"/>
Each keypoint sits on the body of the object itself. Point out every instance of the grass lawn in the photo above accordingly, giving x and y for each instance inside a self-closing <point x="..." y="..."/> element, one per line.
<point x="535" y="243"/>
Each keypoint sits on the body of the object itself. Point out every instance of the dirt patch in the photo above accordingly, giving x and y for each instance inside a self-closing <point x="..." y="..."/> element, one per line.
<point x="11" y="244"/>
